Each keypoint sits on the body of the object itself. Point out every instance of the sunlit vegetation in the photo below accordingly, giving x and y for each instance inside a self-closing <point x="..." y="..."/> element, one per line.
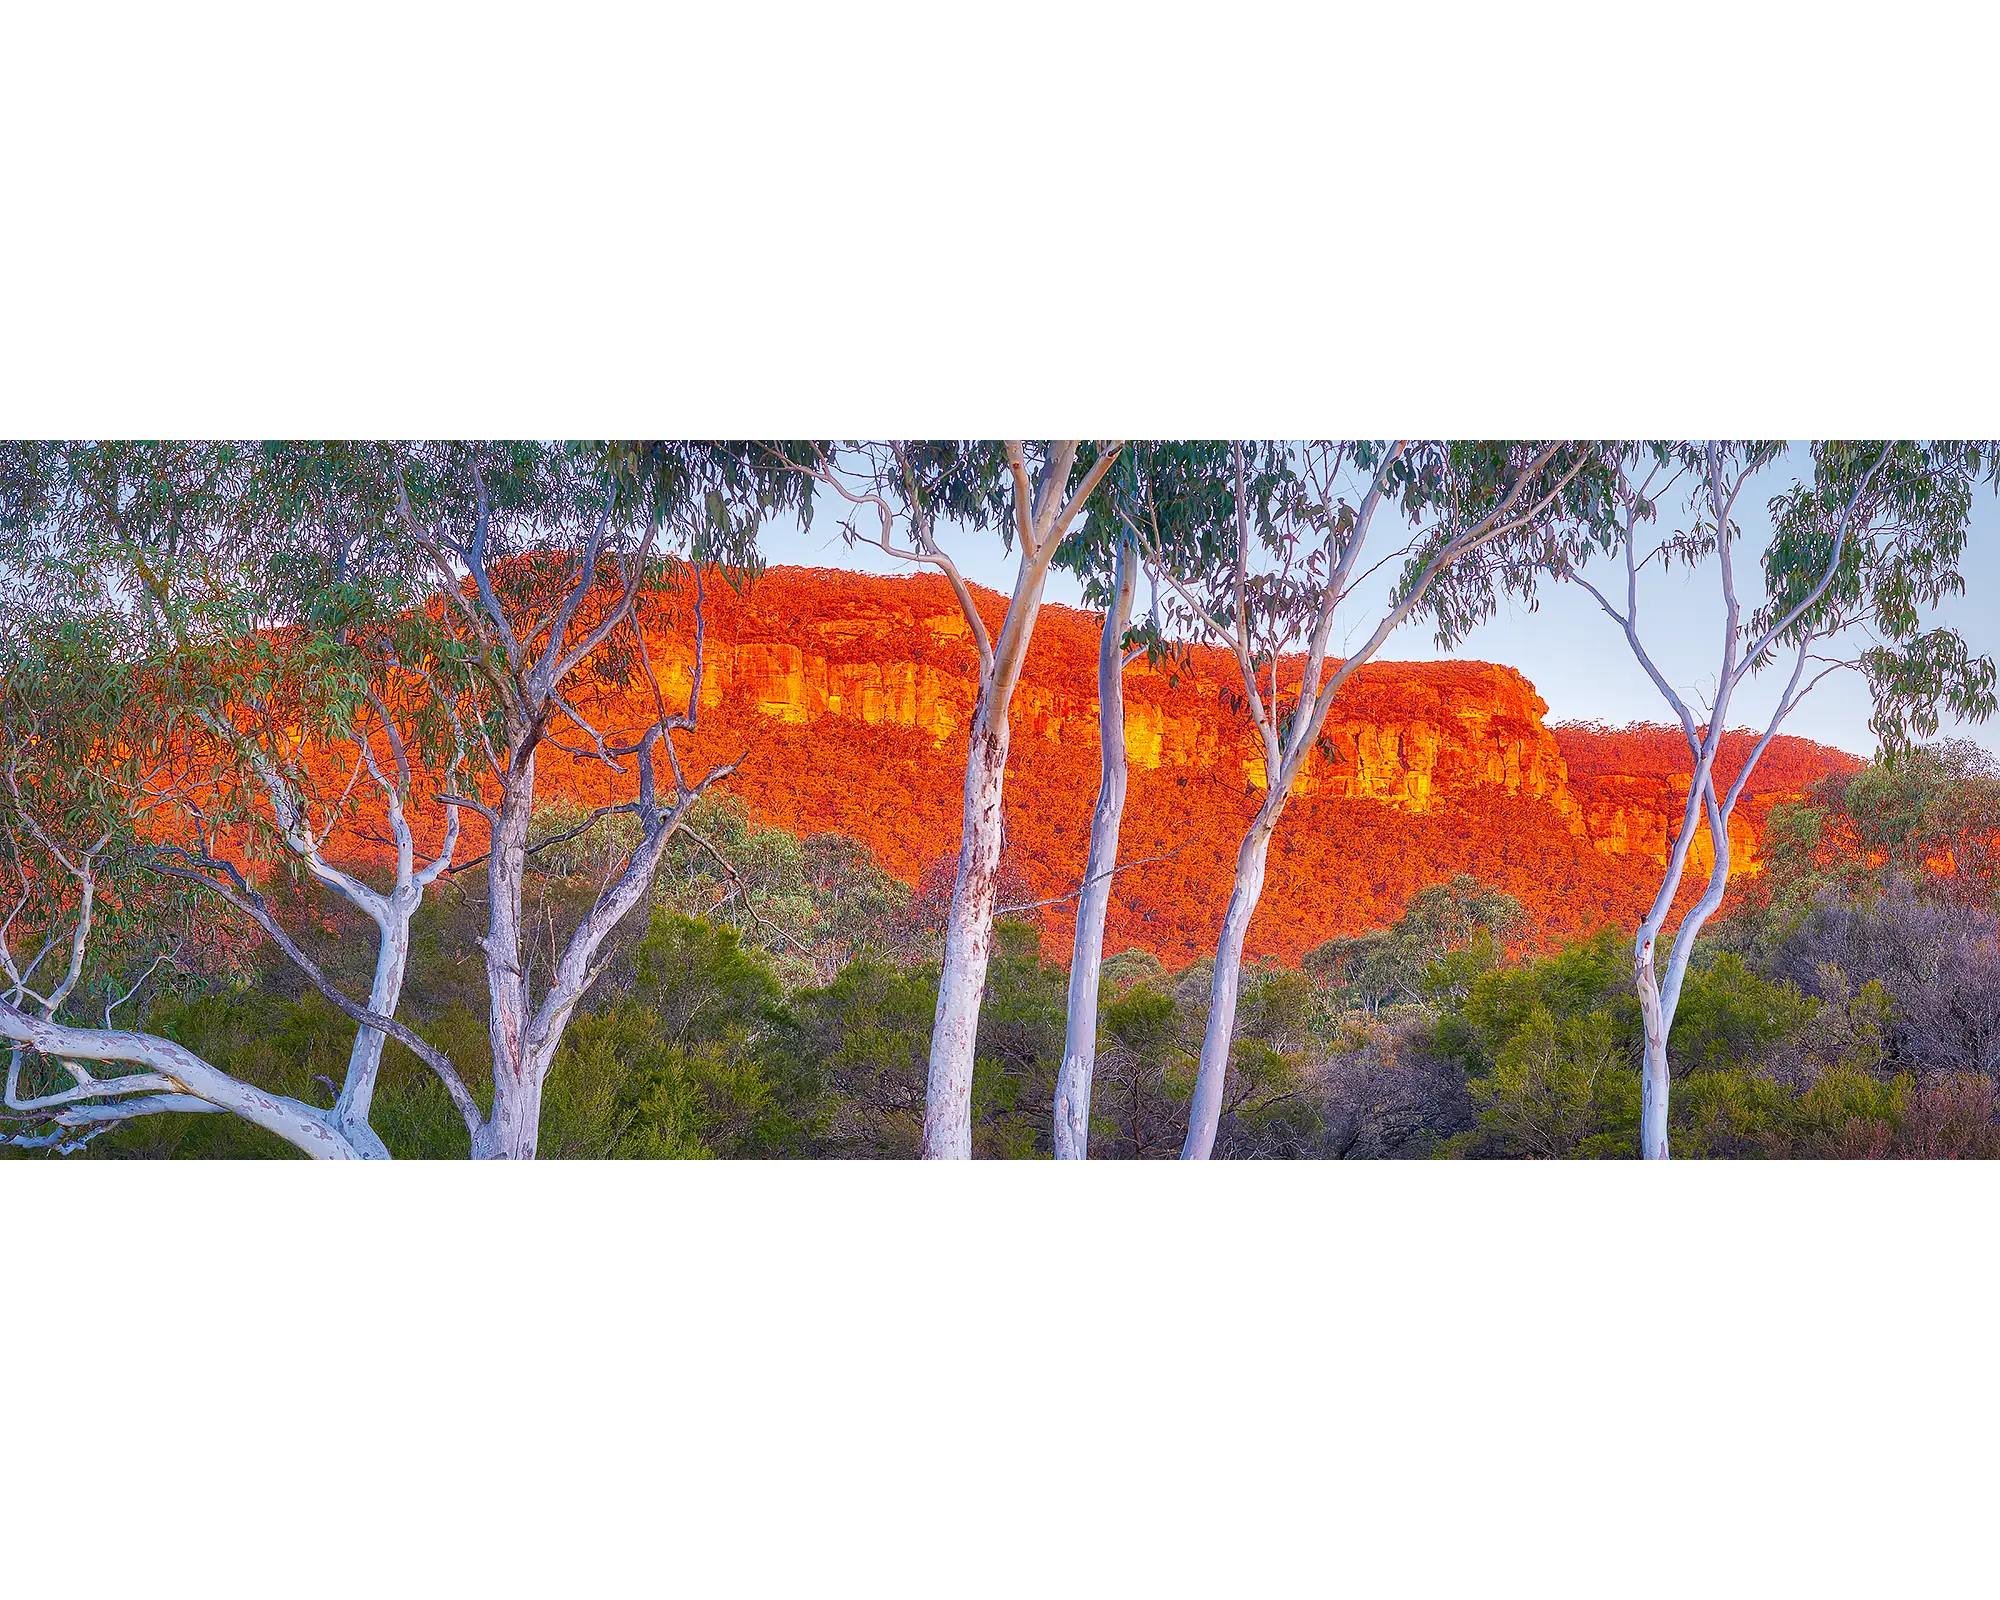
<point x="1851" y="1008"/>
<point x="487" y="798"/>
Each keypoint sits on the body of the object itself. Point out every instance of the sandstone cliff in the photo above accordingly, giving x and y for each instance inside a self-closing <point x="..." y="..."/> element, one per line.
<point x="853" y="695"/>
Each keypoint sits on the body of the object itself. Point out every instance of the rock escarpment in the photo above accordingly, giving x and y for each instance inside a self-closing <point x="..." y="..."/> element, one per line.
<point x="853" y="694"/>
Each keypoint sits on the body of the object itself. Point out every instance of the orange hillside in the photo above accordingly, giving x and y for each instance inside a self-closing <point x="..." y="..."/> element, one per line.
<point x="852" y="696"/>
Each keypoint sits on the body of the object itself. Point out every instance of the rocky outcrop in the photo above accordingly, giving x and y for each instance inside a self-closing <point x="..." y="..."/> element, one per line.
<point x="1632" y="783"/>
<point x="1400" y="734"/>
<point x="811" y="644"/>
<point x="1638" y="814"/>
<point x="846" y="699"/>
<point x="841" y="703"/>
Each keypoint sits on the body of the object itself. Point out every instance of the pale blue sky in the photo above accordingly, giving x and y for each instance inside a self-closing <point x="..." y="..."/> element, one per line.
<point x="1570" y="650"/>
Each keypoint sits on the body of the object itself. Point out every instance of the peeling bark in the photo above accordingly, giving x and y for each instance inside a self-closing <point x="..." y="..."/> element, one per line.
<point x="1653" y="1085"/>
<point x="509" y="1133"/>
<point x="968" y="945"/>
<point x="513" y="1132"/>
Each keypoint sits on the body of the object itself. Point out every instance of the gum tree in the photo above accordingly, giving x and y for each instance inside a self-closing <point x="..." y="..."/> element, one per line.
<point x="1157" y="497"/>
<point x="1304" y="516"/>
<point x="546" y="562"/>
<point x="1072" y="1097"/>
<point x="1029" y="492"/>
<point x="174" y="684"/>
<point x="1864" y="542"/>
<point x="447" y="609"/>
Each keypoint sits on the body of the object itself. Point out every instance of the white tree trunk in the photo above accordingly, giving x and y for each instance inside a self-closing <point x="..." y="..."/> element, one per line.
<point x="1659" y="1002"/>
<point x="1653" y="1086"/>
<point x="525" y="1038"/>
<point x="968" y="941"/>
<point x="1072" y="1110"/>
<point x="510" y="1130"/>
<point x="364" y="1062"/>
<point x="513" y="1131"/>
<point x="1206" y="1114"/>
<point x="968" y="937"/>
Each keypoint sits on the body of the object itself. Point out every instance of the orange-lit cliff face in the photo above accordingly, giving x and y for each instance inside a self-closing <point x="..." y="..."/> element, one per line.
<point x="852" y="696"/>
<point x="1633" y="786"/>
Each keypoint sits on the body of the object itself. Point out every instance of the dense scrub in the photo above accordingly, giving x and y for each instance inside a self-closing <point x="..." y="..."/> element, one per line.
<point x="782" y="1006"/>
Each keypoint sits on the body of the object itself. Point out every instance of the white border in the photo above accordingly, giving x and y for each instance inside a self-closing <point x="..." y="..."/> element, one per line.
<point x="741" y="1379"/>
<point x="397" y="219"/>
<point x="1448" y="218"/>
